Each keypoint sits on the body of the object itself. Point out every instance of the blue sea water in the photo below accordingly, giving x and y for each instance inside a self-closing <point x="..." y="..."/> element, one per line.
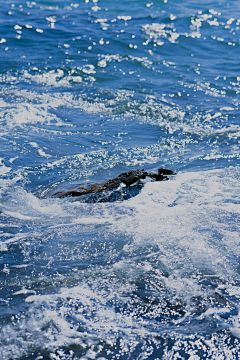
<point x="90" y="89"/>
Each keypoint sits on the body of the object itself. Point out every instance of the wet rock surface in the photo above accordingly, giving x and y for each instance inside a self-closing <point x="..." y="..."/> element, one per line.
<point x="121" y="187"/>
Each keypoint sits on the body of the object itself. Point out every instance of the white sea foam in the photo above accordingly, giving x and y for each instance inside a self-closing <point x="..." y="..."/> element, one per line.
<point x="187" y="218"/>
<point x="27" y="112"/>
<point x="3" y="168"/>
<point x="18" y="215"/>
<point x="168" y="117"/>
<point x="157" y="31"/>
<point x="24" y="291"/>
<point x="3" y="103"/>
<point x="22" y="114"/>
<point x="193" y="222"/>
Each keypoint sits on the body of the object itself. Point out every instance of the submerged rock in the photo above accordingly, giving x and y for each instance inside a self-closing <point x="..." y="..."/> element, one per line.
<point x="129" y="183"/>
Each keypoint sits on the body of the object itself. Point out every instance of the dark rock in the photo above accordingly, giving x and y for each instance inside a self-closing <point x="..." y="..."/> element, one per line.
<point x="131" y="180"/>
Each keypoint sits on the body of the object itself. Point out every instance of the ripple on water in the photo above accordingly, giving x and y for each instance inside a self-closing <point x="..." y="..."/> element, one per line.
<point x="89" y="90"/>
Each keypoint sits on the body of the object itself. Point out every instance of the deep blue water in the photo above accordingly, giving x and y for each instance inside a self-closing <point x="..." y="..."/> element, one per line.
<point x="90" y="89"/>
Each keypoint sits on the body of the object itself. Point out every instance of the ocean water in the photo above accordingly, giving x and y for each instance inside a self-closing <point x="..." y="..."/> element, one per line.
<point x="90" y="89"/>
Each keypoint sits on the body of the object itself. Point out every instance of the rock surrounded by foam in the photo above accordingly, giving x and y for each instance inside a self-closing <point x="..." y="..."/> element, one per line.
<point x="131" y="180"/>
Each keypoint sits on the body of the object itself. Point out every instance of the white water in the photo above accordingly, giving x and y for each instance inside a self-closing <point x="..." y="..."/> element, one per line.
<point x="178" y="237"/>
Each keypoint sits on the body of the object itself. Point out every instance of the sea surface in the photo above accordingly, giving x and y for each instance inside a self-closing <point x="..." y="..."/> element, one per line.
<point x="88" y="90"/>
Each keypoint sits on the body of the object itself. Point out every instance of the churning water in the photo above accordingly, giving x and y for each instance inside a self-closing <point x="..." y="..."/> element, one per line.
<point x="89" y="90"/>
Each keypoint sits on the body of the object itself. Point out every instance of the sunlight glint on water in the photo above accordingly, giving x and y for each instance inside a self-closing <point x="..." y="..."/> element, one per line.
<point x="90" y="90"/>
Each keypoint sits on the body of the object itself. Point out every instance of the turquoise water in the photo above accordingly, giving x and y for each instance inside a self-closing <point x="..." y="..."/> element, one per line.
<point x="89" y="90"/>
